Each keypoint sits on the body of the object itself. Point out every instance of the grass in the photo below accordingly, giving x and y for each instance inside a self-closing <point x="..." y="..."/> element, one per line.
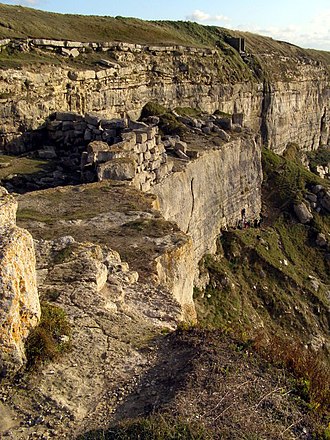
<point x="20" y="22"/>
<point x="155" y="427"/>
<point x="259" y="282"/>
<point x="50" y="339"/>
<point x="22" y="166"/>
<point x="169" y="124"/>
<point x="319" y="157"/>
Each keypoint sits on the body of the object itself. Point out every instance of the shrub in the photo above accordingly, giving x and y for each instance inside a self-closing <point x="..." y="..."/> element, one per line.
<point x="50" y="338"/>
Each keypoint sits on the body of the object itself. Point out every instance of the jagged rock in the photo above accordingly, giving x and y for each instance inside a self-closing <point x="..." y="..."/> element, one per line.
<point x="325" y="201"/>
<point x="311" y="197"/>
<point x="317" y="188"/>
<point x="223" y="135"/>
<point x="92" y="119"/>
<point x="321" y="240"/>
<point x="19" y="301"/>
<point x="302" y="212"/>
<point x="8" y="208"/>
<point x="180" y="146"/>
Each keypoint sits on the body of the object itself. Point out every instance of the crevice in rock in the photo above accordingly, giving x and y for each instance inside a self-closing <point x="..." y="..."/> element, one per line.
<point x="192" y="204"/>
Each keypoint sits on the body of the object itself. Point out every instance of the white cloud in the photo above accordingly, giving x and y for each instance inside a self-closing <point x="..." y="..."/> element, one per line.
<point x="202" y="16"/>
<point x="315" y="33"/>
<point x="312" y="34"/>
<point x="24" y="2"/>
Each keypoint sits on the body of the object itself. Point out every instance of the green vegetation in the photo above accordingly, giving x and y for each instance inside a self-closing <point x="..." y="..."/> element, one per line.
<point x="188" y="111"/>
<point x="260" y="286"/>
<point x="22" y="166"/>
<point x="156" y="427"/>
<point x="50" y="339"/>
<point x="319" y="157"/>
<point x="168" y="122"/>
<point x="285" y="179"/>
<point x="20" y="22"/>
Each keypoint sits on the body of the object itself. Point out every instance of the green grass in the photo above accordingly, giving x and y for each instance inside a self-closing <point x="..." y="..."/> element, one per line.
<point x="44" y="343"/>
<point x="319" y="157"/>
<point x="155" y="427"/>
<point x="262" y="276"/>
<point x="20" y="22"/>
<point x="22" y="166"/>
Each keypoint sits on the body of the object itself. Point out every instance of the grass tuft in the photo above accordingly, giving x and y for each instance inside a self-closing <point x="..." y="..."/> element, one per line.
<point x="50" y="339"/>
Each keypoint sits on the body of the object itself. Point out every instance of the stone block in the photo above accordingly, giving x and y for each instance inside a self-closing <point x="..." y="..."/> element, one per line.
<point x="88" y="135"/>
<point x="135" y="125"/>
<point x="180" y="146"/>
<point x="68" y="116"/>
<point x="82" y="75"/>
<point x="147" y="156"/>
<point x="92" y="119"/>
<point x="74" y="44"/>
<point x="48" y="153"/>
<point x="155" y="165"/>
<point x="74" y="53"/>
<point x="140" y="159"/>
<point x="117" y="169"/>
<point x="105" y="156"/>
<point x="152" y="132"/>
<point x="302" y="212"/>
<point x="141" y="137"/>
<point x="67" y="125"/>
<point x="113" y="123"/>
<point x="146" y="186"/>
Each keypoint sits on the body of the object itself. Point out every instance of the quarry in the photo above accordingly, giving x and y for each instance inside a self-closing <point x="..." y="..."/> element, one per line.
<point x="164" y="233"/>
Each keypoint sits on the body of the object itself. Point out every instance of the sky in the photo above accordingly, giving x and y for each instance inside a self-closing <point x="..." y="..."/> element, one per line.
<point x="302" y="22"/>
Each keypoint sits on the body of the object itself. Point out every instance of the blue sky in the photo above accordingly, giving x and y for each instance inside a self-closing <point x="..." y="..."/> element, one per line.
<point x="302" y="22"/>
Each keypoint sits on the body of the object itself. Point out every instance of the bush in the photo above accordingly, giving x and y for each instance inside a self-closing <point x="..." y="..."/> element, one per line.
<point x="50" y="338"/>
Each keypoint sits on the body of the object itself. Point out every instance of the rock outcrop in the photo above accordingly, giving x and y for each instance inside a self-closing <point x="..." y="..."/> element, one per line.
<point x="210" y="192"/>
<point x="292" y="105"/>
<point x="19" y="301"/>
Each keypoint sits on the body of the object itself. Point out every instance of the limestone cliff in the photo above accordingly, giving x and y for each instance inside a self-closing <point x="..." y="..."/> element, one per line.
<point x="210" y="193"/>
<point x="286" y="97"/>
<point x="19" y="301"/>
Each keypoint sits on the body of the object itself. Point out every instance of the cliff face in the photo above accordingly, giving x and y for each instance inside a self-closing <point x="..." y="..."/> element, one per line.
<point x="19" y="301"/>
<point x="293" y="109"/>
<point x="211" y="192"/>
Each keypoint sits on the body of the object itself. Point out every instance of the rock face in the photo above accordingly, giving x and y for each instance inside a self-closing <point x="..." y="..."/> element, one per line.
<point x="19" y="301"/>
<point x="211" y="192"/>
<point x="291" y="106"/>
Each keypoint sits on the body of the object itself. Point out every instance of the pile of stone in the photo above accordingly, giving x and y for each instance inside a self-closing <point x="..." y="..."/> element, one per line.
<point x="139" y="157"/>
<point x="75" y="48"/>
<point x="317" y="199"/>
<point x="214" y="124"/>
<point x="117" y="149"/>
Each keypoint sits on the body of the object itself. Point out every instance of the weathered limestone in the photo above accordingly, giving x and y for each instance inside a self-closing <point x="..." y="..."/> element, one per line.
<point x="303" y="213"/>
<point x="19" y="301"/>
<point x="210" y="192"/>
<point x="291" y="110"/>
<point x="176" y="270"/>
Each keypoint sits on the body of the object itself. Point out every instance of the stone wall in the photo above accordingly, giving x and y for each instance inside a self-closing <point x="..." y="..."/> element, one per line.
<point x="116" y="149"/>
<point x="19" y="301"/>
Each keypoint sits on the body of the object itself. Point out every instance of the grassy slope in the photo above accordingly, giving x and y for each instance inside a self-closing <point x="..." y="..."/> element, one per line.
<point x="21" y="22"/>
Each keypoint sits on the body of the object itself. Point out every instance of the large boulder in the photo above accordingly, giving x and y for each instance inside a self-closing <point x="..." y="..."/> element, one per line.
<point x="19" y="301"/>
<point x="303" y="213"/>
<point x="117" y="169"/>
<point x="325" y="201"/>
